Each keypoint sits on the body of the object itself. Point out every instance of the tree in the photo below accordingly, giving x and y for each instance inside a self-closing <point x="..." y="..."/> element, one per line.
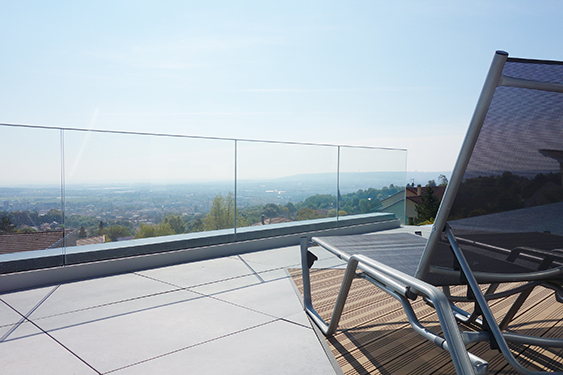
<point x="365" y="206"/>
<point x="332" y="213"/>
<point x="428" y="207"/>
<point x="443" y="180"/>
<point x="320" y="201"/>
<point x="176" y="223"/>
<point x="196" y="225"/>
<point x="222" y="214"/>
<point x="6" y="225"/>
<point x="82" y="233"/>
<point x="27" y="230"/>
<point x="307" y="213"/>
<point x="251" y="214"/>
<point x="271" y="210"/>
<point x="291" y="208"/>
<point x="52" y="215"/>
<point x="116" y="231"/>
<point x="431" y="183"/>
<point x="162" y="229"/>
<point x="284" y="211"/>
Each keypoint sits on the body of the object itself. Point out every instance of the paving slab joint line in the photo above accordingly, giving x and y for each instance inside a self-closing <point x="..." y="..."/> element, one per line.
<point x="236" y="304"/>
<point x="23" y="319"/>
<point x="295" y="323"/>
<point x="110" y="303"/>
<point x="191" y="346"/>
<point x="320" y="336"/>
<point x="250" y="267"/>
<point x="54" y="339"/>
<point x="189" y="289"/>
<point x="210" y="282"/>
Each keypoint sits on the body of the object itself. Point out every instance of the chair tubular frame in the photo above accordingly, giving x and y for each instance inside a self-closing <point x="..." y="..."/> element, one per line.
<point x="396" y="284"/>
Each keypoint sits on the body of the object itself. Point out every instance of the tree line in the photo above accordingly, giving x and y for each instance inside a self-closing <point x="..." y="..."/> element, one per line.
<point x="221" y="215"/>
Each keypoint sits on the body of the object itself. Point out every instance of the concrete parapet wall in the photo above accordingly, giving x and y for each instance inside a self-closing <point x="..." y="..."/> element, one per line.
<point x="44" y="267"/>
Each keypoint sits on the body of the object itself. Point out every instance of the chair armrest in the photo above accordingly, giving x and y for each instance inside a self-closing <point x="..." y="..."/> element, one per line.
<point x="547" y="257"/>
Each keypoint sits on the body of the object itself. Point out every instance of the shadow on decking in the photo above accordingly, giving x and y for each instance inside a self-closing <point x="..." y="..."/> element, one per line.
<point x="374" y="336"/>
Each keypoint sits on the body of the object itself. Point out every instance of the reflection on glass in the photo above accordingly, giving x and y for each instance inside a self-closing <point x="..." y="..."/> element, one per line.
<point x="30" y="191"/>
<point x="372" y="180"/>
<point x="280" y="183"/>
<point x="69" y="188"/>
<point x="508" y="209"/>
<point x="125" y="186"/>
<point x="513" y="181"/>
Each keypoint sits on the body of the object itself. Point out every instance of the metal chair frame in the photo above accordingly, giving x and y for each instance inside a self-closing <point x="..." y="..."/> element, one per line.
<point x="404" y="287"/>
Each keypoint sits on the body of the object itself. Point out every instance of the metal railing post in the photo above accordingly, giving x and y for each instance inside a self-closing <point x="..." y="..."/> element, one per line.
<point x="235" y="187"/>
<point x="62" y="145"/>
<point x="338" y="185"/>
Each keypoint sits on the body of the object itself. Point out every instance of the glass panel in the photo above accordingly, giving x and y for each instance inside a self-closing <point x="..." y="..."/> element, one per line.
<point x="125" y="186"/>
<point x="30" y="194"/>
<point x="372" y="180"/>
<point x="280" y="182"/>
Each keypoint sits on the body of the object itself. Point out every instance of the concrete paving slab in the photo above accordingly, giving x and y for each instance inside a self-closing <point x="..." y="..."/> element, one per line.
<point x="107" y="313"/>
<point x="125" y="339"/>
<point x="274" y="348"/>
<point x="271" y="264"/>
<point x="299" y="318"/>
<point x="90" y="293"/>
<point x="27" y="301"/>
<point x="275" y="298"/>
<point x="227" y="285"/>
<point x="200" y="273"/>
<point x="22" y="329"/>
<point x="8" y="317"/>
<point x="275" y="274"/>
<point x="272" y="259"/>
<point x="39" y="354"/>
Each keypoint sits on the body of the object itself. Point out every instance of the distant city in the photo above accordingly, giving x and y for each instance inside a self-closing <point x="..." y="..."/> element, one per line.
<point x="92" y="208"/>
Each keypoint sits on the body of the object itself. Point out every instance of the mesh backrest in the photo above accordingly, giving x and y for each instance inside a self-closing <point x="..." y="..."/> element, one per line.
<point x="513" y="182"/>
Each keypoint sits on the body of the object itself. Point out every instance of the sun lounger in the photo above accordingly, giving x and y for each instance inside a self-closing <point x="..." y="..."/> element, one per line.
<point x="500" y="221"/>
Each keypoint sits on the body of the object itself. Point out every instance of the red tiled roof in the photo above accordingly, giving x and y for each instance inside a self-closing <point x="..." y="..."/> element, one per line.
<point x="17" y="242"/>
<point x="438" y="192"/>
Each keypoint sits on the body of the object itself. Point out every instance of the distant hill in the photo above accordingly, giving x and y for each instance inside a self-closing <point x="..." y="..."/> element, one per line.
<point x="353" y="180"/>
<point x="422" y="178"/>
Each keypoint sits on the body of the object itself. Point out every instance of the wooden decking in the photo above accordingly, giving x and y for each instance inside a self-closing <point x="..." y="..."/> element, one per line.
<point x="374" y="336"/>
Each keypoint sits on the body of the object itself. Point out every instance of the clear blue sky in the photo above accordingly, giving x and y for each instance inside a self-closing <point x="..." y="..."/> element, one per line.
<point x="402" y="74"/>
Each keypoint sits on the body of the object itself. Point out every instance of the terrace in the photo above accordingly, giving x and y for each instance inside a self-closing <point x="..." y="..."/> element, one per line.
<point x="238" y="314"/>
<point x="220" y="300"/>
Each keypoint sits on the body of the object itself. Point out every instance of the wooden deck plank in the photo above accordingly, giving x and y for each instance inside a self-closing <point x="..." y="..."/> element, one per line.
<point x="374" y="336"/>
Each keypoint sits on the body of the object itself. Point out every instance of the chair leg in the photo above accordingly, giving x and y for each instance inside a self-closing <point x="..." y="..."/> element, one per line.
<point x="472" y="318"/>
<point x="514" y="308"/>
<point x="477" y="311"/>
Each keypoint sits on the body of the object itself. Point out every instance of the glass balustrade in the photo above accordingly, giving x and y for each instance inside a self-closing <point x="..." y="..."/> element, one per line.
<point x="281" y="182"/>
<point x="31" y="197"/>
<point x="130" y="186"/>
<point x="68" y="188"/>
<point x="372" y="180"/>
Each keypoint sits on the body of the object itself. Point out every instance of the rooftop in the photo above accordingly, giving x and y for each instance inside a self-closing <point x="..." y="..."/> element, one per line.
<point x="239" y="314"/>
<point x="217" y="301"/>
<point x="236" y="314"/>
